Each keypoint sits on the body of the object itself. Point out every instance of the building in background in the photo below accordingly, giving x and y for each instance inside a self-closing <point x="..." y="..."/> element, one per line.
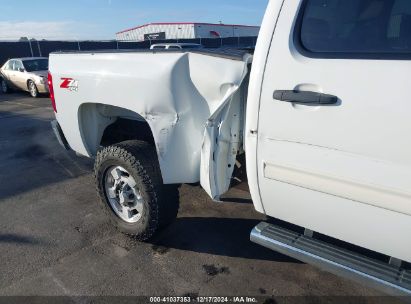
<point x="186" y="30"/>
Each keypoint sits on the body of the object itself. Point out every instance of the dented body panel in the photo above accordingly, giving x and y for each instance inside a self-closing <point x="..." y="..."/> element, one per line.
<point x="192" y="102"/>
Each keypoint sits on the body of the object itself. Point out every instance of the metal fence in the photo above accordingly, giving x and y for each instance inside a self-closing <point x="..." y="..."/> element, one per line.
<point x="17" y="49"/>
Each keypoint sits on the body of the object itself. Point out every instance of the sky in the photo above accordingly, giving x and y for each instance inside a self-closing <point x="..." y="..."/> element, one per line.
<point x="101" y="19"/>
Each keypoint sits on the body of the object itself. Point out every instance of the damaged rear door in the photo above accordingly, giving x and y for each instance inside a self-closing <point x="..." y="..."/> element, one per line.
<point x="223" y="139"/>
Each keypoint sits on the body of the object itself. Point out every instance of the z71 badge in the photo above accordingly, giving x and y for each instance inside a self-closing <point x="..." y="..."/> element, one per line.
<point x="69" y="84"/>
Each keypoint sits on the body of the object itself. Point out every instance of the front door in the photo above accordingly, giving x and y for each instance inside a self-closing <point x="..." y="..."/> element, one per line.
<point x="19" y="78"/>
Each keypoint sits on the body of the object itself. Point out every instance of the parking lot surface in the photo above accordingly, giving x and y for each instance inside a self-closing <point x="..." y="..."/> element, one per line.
<point x="56" y="240"/>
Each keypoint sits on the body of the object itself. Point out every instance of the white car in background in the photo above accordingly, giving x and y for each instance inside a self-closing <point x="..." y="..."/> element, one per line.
<point x="27" y="74"/>
<point x="175" y="46"/>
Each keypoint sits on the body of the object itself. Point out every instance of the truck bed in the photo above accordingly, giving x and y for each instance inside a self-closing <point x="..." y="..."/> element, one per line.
<point x="192" y="101"/>
<point x="227" y="53"/>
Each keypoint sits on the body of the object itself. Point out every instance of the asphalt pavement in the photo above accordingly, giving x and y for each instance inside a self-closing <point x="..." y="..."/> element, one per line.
<point x="56" y="241"/>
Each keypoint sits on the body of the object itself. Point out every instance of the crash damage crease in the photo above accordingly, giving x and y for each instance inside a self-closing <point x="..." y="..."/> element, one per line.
<point x="191" y="102"/>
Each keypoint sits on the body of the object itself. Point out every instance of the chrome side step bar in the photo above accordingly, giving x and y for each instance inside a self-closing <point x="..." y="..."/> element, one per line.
<point x="388" y="278"/>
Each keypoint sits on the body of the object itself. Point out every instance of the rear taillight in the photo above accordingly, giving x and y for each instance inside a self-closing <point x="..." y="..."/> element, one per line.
<point x="51" y="90"/>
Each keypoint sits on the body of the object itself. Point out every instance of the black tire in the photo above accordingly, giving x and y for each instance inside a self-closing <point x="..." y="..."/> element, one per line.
<point x="34" y="92"/>
<point x="4" y="87"/>
<point x="161" y="202"/>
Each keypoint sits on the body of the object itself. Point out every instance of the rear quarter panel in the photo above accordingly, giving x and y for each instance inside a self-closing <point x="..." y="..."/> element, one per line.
<point x="174" y="92"/>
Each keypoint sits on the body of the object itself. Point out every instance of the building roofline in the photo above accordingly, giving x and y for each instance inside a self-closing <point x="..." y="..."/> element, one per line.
<point x="177" y="23"/>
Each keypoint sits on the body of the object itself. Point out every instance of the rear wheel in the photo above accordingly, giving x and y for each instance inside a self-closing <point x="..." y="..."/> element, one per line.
<point x="32" y="89"/>
<point x="4" y="86"/>
<point x="131" y="189"/>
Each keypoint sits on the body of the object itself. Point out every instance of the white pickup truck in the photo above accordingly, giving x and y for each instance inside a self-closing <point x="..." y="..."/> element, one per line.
<point x="321" y="111"/>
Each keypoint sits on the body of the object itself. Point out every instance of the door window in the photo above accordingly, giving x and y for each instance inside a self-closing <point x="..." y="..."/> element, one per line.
<point x="355" y="28"/>
<point x="18" y="65"/>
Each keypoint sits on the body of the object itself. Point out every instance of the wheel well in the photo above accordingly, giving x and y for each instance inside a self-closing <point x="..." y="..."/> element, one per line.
<point x="126" y="129"/>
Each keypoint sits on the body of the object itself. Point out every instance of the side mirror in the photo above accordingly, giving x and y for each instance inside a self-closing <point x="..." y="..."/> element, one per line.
<point x="21" y="69"/>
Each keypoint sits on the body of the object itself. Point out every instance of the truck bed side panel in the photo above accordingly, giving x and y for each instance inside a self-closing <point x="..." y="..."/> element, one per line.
<point x="175" y="93"/>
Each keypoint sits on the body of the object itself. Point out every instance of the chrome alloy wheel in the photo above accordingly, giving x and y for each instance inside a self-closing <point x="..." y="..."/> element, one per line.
<point x="123" y="195"/>
<point x="32" y="89"/>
